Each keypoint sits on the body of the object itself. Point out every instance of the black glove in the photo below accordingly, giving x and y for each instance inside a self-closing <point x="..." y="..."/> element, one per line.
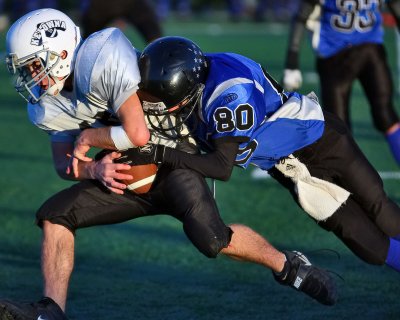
<point x="149" y="153"/>
<point x="186" y="146"/>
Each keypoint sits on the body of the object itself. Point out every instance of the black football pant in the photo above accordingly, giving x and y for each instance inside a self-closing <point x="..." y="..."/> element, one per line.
<point x="368" y="218"/>
<point x="181" y="193"/>
<point x="368" y="64"/>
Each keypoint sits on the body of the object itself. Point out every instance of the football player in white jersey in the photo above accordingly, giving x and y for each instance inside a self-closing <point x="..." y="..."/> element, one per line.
<point x="97" y="105"/>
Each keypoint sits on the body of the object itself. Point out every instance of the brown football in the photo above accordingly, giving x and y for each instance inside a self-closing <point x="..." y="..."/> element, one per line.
<point x="143" y="177"/>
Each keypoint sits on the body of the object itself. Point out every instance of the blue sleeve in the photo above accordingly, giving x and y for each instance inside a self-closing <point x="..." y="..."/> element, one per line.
<point x="298" y="123"/>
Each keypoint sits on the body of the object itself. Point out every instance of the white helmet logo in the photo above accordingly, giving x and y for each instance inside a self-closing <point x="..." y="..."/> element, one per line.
<point x="50" y="29"/>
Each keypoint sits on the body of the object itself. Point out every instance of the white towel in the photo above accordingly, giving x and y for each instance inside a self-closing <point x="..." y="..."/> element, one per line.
<point x="319" y="198"/>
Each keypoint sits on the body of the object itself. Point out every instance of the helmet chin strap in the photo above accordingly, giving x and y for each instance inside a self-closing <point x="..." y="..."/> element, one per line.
<point x="56" y="87"/>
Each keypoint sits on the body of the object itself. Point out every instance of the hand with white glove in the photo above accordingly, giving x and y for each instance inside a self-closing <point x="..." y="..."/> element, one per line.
<point x="292" y="79"/>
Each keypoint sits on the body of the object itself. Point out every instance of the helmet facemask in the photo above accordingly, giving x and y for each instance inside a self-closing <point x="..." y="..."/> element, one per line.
<point x="31" y="70"/>
<point x="173" y="72"/>
<point x="170" y="121"/>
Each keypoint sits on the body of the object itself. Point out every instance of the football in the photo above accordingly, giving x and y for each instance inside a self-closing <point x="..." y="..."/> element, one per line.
<point x="143" y="178"/>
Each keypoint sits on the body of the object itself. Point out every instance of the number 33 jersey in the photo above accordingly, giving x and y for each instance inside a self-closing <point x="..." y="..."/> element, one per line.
<point x="342" y="24"/>
<point x="241" y="101"/>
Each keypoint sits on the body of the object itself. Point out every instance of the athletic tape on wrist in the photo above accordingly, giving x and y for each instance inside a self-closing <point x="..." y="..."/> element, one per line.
<point x="120" y="138"/>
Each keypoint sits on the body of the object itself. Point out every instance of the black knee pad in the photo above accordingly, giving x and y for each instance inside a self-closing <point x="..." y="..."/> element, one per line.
<point x="212" y="245"/>
<point x="192" y="202"/>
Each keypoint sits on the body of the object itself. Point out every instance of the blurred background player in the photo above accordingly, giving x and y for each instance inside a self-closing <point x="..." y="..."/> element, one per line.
<point x="183" y="8"/>
<point x="348" y="43"/>
<point x="20" y="7"/>
<point x="274" y="10"/>
<point x="98" y="14"/>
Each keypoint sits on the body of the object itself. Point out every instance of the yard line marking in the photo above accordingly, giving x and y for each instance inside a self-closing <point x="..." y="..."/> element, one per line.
<point x="259" y="174"/>
<point x="389" y="175"/>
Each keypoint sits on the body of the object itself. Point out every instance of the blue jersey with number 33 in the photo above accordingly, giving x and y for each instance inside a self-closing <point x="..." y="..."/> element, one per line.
<point x="242" y="102"/>
<point x="345" y="23"/>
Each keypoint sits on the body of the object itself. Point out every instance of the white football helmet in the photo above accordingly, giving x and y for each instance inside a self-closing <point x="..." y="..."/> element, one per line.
<point x="47" y="39"/>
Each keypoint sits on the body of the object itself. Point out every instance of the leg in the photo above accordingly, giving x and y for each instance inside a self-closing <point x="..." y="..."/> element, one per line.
<point x="358" y="233"/>
<point x="98" y="15"/>
<point x="247" y="245"/>
<point x="369" y="218"/>
<point x="185" y="195"/>
<point x="341" y="161"/>
<point x="84" y="204"/>
<point x="377" y="83"/>
<point x="336" y="76"/>
<point x="363" y="236"/>
<point x="147" y="22"/>
<point x="196" y="208"/>
<point x="57" y="261"/>
<point x="289" y="268"/>
<point x="376" y="80"/>
<point x="202" y="223"/>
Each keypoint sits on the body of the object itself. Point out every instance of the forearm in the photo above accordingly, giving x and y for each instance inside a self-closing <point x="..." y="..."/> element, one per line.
<point x="97" y="137"/>
<point x="62" y="153"/>
<point x="86" y="170"/>
<point x="296" y="33"/>
<point x="218" y="164"/>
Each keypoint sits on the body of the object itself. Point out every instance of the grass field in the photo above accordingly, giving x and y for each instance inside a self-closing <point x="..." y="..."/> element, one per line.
<point x="147" y="269"/>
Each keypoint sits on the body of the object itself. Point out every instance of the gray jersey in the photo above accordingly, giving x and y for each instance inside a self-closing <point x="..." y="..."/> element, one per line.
<point x="106" y="74"/>
<point x="95" y="97"/>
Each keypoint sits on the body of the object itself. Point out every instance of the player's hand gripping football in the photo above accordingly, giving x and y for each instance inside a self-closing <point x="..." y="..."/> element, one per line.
<point x="150" y="153"/>
<point x="103" y="169"/>
<point x="109" y="173"/>
<point x="91" y="137"/>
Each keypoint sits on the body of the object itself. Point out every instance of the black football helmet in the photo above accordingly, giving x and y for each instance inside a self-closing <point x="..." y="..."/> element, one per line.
<point x="173" y="71"/>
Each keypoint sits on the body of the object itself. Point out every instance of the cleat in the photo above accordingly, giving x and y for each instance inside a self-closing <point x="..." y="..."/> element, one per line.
<point x="45" y="309"/>
<point x="301" y="275"/>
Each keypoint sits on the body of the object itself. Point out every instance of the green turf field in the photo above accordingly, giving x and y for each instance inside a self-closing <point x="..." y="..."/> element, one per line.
<point x="147" y="269"/>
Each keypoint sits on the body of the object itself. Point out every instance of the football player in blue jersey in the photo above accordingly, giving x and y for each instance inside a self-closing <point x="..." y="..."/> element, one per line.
<point x="241" y="116"/>
<point x="348" y="43"/>
<point x="78" y="91"/>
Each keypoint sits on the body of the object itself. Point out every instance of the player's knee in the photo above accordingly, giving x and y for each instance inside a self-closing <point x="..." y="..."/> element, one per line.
<point x="212" y="243"/>
<point x="208" y="241"/>
<point x="52" y="230"/>
<point x="213" y="247"/>
<point x="44" y="215"/>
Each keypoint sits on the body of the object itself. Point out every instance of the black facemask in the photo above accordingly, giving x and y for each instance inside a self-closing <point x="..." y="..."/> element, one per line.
<point x="170" y="125"/>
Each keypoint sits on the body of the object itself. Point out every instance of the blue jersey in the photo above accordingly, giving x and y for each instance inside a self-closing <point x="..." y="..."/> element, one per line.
<point x="242" y="102"/>
<point x="345" y="23"/>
